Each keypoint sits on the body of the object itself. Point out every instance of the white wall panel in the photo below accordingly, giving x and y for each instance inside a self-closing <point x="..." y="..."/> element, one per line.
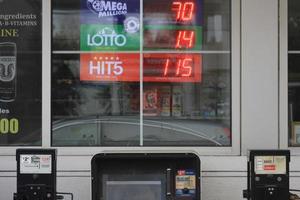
<point x="259" y="74"/>
<point x="8" y="163"/>
<point x="79" y="186"/>
<point x="7" y="187"/>
<point x="219" y="188"/>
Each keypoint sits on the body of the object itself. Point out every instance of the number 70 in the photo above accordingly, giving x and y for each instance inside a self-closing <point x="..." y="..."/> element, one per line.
<point x="184" y="11"/>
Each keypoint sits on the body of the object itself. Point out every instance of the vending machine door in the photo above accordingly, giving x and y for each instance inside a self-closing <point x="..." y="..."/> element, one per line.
<point x="146" y="176"/>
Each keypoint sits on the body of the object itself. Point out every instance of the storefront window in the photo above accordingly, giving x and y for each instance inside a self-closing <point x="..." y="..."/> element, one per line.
<point x="294" y="72"/>
<point x="20" y="72"/>
<point x="151" y="73"/>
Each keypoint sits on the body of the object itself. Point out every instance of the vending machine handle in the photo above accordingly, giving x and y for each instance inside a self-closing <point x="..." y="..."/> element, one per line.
<point x="168" y="183"/>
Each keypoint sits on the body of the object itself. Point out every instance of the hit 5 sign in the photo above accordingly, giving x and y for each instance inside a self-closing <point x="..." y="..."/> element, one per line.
<point x="110" y="67"/>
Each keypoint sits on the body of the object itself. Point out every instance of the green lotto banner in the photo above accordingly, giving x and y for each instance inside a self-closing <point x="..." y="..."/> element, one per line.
<point x="108" y="38"/>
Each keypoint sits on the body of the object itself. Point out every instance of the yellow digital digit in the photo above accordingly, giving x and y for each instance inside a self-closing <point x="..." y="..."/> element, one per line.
<point x="9" y="126"/>
<point x="4" y="126"/>
<point x="14" y="126"/>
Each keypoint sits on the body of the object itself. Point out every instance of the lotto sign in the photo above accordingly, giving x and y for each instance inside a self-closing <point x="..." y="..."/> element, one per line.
<point x="109" y="37"/>
<point x="108" y="12"/>
<point x="110" y="67"/>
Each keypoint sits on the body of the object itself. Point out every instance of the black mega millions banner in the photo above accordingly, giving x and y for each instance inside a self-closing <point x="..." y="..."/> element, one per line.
<point x="20" y="72"/>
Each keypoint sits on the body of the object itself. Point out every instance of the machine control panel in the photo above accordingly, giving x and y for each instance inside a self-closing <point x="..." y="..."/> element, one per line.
<point x="36" y="174"/>
<point x="268" y="175"/>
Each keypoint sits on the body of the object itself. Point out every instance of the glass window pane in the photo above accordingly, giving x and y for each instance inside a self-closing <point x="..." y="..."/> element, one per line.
<point x="192" y="113"/>
<point x="187" y="93"/>
<point x="294" y="99"/>
<point x="294" y="72"/>
<point x="184" y="50"/>
<point x="65" y="25"/>
<point x="294" y="25"/>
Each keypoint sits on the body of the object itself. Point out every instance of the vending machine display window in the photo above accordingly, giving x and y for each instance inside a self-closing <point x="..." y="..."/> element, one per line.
<point x="141" y="73"/>
<point x="134" y="190"/>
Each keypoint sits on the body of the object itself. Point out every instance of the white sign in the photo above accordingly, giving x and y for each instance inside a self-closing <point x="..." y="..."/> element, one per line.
<point x="106" y="67"/>
<point x="35" y="164"/>
<point x="270" y="164"/>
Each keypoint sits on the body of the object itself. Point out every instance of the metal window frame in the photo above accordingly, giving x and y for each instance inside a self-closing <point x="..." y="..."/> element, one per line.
<point x="233" y="150"/>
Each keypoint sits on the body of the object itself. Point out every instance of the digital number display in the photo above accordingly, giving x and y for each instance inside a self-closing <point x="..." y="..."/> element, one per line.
<point x="172" y="25"/>
<point x="172" y="67"/>
<point x="184" y="10"/>
<point x="166" y="37"/>
<point x="173" y="12"/>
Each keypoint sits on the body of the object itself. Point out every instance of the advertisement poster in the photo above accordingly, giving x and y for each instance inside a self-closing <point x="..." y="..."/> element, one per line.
<point x="110" y="25"/>
<point x="110" y="67"/>
<point x="20" y="72"/>
<point x="165" y="101"/>
<point x="185" y="183"/>
<point x="107" y="38"/>
<point x="109" y="11"/>
<point x="150" y="100"/>
<point x="177" y="101"/>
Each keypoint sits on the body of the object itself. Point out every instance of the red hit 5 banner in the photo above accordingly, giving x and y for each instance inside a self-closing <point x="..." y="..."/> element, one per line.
<point x="110" y="67"/>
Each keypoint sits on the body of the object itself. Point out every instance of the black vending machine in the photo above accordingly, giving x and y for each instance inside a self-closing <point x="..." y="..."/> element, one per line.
<point x="146" y="176"/>
<point x="268" y="175"/>
<point x="36" y="174"/>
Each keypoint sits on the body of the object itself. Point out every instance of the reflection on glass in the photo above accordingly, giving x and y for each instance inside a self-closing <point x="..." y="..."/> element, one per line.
<point x="192" y="112"/>
<point x="133" y="190"/>
<point x="217" y="25"/>
<point x="293" y="25"/>
<point x="91" y="112"/>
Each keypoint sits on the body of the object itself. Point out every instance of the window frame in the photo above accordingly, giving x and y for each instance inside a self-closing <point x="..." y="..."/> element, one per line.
<point x="234" y="149"/>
